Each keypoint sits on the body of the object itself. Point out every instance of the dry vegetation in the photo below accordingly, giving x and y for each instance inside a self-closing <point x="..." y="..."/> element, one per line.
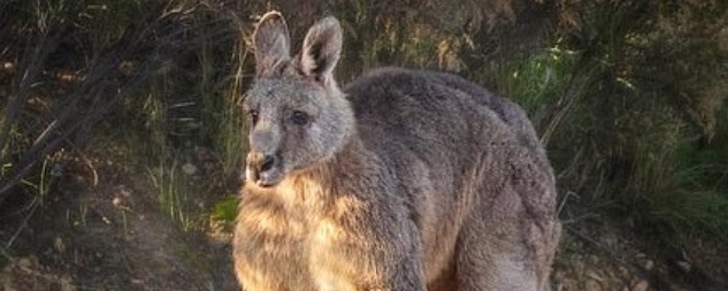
<point x="629" y="97"/>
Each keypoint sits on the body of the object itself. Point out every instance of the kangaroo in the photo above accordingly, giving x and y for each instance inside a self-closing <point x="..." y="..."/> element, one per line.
<point x="403" y="180"/>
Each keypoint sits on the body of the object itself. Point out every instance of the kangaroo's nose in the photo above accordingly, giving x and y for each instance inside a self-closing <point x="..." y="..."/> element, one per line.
<point x="268" y="163"/>
<point x="261" y="163"/>
<point x="261" y="169"/>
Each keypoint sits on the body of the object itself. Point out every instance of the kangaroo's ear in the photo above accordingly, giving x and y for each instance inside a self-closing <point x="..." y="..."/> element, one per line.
<point x="272" y="42"/>
<point x="321" y="49"/>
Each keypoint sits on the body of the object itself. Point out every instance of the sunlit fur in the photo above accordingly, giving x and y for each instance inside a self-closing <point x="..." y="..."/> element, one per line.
<point x="403" y="180"/>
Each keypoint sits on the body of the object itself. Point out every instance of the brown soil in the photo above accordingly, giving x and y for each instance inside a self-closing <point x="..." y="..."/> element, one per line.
<point x="109" y="236"/>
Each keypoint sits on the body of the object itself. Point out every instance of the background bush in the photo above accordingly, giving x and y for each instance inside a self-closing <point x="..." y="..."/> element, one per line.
<point x="628" y="97"/>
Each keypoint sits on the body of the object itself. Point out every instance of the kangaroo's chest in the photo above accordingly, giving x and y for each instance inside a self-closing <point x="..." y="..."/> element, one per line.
<point x="274" y="244"/>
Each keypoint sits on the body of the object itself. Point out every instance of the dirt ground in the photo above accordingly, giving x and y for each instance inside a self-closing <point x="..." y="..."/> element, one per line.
<point x="103" y="230"/>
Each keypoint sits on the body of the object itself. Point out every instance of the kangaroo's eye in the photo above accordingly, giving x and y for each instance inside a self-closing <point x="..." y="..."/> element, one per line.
<point x="300" y="118"/>
<point x="253" y="116"/>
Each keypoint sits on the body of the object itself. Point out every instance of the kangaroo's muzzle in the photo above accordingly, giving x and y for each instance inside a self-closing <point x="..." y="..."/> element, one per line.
<point x="263" y="169"/>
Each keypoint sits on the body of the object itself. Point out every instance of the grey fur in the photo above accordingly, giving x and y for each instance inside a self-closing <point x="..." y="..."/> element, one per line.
<point x="405" y="180"/>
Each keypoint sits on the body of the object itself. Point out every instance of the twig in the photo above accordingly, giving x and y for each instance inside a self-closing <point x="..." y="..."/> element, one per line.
<point x="7" y="255"/>
<point x="90" y="165"/>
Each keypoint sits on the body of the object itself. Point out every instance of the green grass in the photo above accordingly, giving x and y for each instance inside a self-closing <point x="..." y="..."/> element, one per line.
<point x="226" y="210"/>
<point x="173" y="195"/>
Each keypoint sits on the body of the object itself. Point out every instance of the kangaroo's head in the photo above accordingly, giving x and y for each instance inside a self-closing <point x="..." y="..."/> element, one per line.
<point x="297" y="115"/>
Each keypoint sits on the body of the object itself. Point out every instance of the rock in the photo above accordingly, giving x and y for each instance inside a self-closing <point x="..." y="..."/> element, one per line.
<point x="25" y="263"/>
<point x="117" y="201"/>
<point x="189" y="169"/>
<point x="649" y="265"/>
<point x="641" y="285"/>
<point x="592" y="285"/>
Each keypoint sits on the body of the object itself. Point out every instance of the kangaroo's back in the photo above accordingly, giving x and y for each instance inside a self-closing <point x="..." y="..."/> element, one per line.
<point x="415" y="107"/>
<point x="424" y="85"/>
<point x="469" y="140"/>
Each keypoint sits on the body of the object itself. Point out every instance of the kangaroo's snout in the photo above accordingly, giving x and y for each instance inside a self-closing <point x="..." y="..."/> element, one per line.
<point x="268" y="162"/>
<point x="263" y="169"/>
